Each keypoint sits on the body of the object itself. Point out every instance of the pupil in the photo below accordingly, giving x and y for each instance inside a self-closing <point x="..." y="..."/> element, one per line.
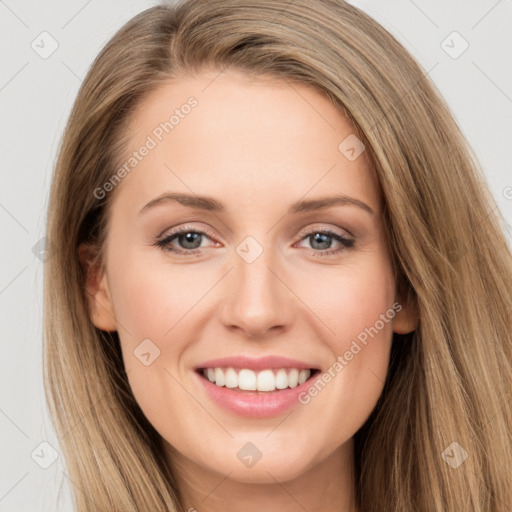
<point x="191" y="238"/>
<point x="321" y="238"/>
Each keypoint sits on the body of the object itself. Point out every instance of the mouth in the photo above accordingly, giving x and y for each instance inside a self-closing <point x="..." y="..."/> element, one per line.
<point x="260" y="387"/>
<point x="256" y="382"/>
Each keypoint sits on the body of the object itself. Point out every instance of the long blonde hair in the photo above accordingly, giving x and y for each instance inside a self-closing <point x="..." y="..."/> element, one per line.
<point x="449" y="382"/>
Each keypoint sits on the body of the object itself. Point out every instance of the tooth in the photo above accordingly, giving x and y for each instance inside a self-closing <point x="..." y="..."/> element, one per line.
<point x="266" y="381"/>
<point x="304" y="376"/>
<point x="281" y="379"/>
<point x="219" y="377"/>
<point x="231" y="378"/>
<point x="250" y="380"/>
<point x="247" y="380"/>
<point x="293" y="378"/>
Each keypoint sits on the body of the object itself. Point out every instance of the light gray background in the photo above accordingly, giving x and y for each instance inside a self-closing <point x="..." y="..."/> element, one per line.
<point x="36" y="95"/>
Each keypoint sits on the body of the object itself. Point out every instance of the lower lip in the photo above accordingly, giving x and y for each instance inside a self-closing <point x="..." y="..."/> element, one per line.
<point x="254" y="404"/>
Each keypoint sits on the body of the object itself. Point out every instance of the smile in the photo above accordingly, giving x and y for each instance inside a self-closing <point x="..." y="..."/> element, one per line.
<point x="269" y="387"/>
<point x="245" y="379"/>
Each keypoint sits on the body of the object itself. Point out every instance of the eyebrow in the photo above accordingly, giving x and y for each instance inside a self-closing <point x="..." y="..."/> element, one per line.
<point x="212" y="205"/>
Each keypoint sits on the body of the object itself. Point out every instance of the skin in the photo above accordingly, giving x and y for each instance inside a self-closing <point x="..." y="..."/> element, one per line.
<point x="256" y="145"/>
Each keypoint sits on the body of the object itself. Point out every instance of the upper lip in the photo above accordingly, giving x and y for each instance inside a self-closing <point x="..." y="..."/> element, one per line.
<point x="260" y="363"/>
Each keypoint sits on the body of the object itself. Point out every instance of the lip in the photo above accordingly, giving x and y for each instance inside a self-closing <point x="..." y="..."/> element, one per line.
<point x="255" y="404"/>
<point x="260" y="363"/>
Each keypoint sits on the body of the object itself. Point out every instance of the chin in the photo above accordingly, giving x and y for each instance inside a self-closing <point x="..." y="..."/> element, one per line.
<point x="260" y="466"/>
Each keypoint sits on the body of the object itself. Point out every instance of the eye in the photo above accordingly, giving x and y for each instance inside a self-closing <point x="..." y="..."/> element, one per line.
<point x="188" y="238"/>
<point x="321" y="241"/>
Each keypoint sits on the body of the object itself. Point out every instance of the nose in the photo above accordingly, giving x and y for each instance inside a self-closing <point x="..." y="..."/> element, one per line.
<point x="257" y="300"/>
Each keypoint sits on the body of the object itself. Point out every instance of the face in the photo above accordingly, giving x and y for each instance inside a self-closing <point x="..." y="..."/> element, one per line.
<point x="221" y="254"/>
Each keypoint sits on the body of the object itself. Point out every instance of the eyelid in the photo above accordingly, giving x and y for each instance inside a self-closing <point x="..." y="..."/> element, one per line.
<point x="347" y="242"/>
<point x="187" y="227"/>
<point x="163" y="241"/>
<point x="180" y="227"/>
<point x="323" y="228"/>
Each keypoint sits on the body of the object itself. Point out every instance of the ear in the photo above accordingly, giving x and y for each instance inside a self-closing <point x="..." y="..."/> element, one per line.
<point x="406" y="320"/>
<point x="97" y="291"/>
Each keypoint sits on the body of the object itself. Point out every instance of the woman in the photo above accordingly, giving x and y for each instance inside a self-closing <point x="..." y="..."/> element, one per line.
<point x="255" y="369"/>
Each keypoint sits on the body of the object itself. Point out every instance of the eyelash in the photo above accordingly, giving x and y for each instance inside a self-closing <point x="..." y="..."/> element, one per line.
<point x="164" y="243"/>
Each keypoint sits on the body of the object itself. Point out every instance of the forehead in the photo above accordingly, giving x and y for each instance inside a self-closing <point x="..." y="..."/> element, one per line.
<point x="234" y="135"/>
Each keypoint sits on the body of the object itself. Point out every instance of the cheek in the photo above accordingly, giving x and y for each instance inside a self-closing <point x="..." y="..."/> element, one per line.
<point x="364" y="327"/>
<point x="158" y="310"/>
<point x="153" y="302"/>
<point x="357" y="306"/>
<point x="349" y="299"/>
<point x="153" y="307"/>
